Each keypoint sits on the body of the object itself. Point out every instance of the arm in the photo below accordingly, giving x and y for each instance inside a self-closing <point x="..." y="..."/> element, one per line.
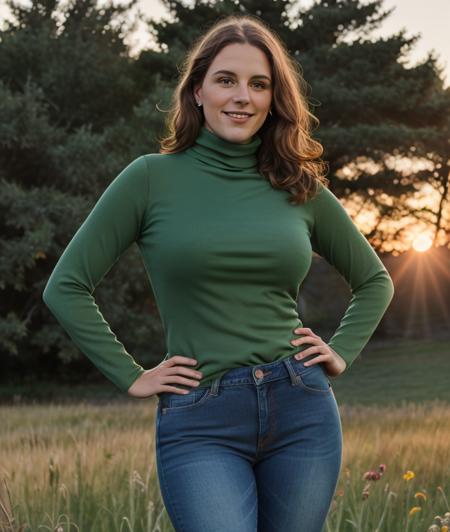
<point x="108" y="231"/>
<point x="338" y="240"/>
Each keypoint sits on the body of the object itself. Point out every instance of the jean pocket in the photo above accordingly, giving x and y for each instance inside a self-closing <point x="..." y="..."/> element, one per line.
<point x="312" y="378"/>
<point x="174" y="402"/>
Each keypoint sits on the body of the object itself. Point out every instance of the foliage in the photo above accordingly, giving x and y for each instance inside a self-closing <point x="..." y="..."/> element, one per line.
<point x="76" y="108"/>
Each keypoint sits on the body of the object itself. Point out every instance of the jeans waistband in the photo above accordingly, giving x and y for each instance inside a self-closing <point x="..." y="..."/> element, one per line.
<point x="261" y="373"/>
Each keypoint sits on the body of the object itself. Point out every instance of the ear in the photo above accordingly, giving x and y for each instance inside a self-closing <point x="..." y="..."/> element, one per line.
<point x="198" y="92"/>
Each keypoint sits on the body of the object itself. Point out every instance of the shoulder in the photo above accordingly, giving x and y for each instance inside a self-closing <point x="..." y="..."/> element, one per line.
<point x="154" y="161"/>
<point x="322" y="192"/>
<point x="165" y="169"/>
<point x="325" y="198"/>
<point x="145" y="167"/>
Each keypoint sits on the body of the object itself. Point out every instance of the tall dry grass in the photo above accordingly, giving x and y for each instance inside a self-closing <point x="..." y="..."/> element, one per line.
<point x="91" y="468"/>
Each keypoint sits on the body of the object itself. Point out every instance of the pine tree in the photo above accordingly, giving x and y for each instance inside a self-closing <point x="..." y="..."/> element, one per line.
<point x="76" y="108"/>
<point x="372" y="108"/>
<point x="71" y="118"/>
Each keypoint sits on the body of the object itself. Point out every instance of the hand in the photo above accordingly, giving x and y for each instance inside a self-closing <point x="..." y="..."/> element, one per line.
<point x="334" y="364"/>
<point x="157" y="379"/>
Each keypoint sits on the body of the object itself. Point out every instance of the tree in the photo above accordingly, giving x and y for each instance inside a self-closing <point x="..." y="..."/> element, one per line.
<point x="373" y="110"/>
<point x="71" y="117"/>
<point x="76" y="108"/>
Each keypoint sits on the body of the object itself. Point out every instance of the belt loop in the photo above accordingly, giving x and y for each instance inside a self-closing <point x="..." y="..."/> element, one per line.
<point x="294" y="378"/>
<point x="214" y="390"/>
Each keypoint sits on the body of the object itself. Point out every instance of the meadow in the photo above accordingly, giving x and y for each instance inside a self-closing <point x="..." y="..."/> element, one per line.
<point x="85" y="465"/>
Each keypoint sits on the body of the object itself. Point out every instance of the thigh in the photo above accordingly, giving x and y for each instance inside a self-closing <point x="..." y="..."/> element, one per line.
<point x="298" y="471"/>
<point x="205" y="484"/>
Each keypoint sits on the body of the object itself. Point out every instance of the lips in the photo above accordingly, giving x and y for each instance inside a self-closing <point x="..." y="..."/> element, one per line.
<point x="237" y="113"/>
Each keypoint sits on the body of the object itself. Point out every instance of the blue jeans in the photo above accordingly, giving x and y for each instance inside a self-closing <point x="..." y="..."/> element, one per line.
<point x="257" y="450"/>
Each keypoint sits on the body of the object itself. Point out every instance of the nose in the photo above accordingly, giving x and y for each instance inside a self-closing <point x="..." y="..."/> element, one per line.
<point x="242" y="94"/>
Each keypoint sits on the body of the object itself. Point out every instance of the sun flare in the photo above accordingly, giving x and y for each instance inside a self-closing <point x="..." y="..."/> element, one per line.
<point x="422" y="243"/>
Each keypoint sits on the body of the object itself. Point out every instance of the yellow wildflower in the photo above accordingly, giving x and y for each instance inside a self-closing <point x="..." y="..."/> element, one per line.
<point x="409" y="475"/>
<point x="420" y="494"/>
<point x="414" y="510"/>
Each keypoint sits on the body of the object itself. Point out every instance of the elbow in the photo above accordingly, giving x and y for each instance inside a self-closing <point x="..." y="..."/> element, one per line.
<point x="51" y="294"/>
<point x="392" y="288"/>
<point x="47" y="294"/>
<point x="60" y="291"/>
<point x="382" y="283"/>
<point x="389" y="287"/>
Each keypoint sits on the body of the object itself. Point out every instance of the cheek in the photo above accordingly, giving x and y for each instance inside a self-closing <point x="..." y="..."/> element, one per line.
<point x="215" y="98"/>
<point x="264" y="101"/>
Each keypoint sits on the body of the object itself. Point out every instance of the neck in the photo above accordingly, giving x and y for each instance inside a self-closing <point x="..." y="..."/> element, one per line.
<point x="232" y="158"/>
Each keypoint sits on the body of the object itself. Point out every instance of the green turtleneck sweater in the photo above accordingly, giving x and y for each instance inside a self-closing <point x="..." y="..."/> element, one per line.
<point x="225" y="254"/>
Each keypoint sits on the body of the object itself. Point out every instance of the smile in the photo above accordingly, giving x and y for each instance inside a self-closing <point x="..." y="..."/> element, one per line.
<point x="238" y="115"/>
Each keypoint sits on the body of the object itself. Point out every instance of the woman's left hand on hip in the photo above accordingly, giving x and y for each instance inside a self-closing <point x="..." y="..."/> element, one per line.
<point x="334" y="364"/>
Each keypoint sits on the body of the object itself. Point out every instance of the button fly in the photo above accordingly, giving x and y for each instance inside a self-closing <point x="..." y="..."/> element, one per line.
<point x="259" y="373"/>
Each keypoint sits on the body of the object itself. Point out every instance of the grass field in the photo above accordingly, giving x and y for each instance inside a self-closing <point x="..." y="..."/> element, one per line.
<point x="90" y="466"/>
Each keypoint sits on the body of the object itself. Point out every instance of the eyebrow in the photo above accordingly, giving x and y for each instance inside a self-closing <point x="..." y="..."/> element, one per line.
<point x="229" y="72"/>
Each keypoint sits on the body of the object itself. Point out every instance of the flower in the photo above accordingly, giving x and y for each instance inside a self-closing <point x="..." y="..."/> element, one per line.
<point x="372" y="475"/>
<point x="409" y="475"/>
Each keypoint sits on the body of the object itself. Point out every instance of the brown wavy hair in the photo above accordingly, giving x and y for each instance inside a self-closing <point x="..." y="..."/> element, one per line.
<point x="288" y="157"/>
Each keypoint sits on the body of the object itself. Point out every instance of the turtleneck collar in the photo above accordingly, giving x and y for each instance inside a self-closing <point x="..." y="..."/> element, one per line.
<point x="230" y="159"/>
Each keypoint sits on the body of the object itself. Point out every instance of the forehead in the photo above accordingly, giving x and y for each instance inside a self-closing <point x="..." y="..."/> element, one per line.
<point x="241" y="59"/>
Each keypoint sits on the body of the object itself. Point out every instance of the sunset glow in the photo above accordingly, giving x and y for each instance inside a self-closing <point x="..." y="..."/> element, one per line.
<point x="422" y="243"/>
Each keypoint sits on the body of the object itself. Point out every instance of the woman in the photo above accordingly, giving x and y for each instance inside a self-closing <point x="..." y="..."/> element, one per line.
<point x="226" y="217"/>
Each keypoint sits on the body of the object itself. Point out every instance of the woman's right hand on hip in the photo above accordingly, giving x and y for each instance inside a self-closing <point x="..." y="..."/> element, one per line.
<point x="174" y="370"/>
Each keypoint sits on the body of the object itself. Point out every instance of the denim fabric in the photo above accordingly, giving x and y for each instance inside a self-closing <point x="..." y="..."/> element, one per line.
<point x="259" y="449"/>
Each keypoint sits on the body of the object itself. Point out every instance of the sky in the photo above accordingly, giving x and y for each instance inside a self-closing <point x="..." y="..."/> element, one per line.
<point x="430" y="19"/>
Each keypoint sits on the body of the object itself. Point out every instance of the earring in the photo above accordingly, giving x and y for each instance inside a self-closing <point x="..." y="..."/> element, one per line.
<point x="199" y="104"/>
<point x="270" y="112"/>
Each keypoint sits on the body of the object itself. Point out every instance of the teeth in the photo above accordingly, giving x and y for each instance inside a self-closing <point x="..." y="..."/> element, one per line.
<point x="237" y="115"/>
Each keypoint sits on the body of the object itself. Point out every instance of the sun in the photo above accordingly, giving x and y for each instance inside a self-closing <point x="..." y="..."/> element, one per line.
<point x="422" y="243"/>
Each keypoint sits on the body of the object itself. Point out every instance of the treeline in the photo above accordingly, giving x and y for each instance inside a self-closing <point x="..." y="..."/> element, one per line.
<point x="76" y="106"/>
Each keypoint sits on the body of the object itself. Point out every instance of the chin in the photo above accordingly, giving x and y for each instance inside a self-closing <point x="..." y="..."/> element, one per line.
<point x="238" y="133"/>
<point x="240" y="137"/>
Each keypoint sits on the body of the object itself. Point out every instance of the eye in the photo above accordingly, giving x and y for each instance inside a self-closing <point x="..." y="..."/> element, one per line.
<point x="258" y="84"/>
<point x="224" y="79"/>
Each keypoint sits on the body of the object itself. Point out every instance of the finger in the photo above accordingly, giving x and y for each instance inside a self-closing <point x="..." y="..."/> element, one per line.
<point x="316" y="360"/>
<point x="306" y="330"/>
<point x="307" y="352"/>
<point x="180" y="380"/>
<point x="179" y="359"/>
<point x="173" y="389"/>
<point x="183" y="370"/>
<point x="306" y="340"/>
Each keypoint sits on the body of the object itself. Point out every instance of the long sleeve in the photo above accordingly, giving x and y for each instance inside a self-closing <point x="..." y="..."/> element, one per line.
<point x="111" y="227"/>
<point x="338" y="240"/>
